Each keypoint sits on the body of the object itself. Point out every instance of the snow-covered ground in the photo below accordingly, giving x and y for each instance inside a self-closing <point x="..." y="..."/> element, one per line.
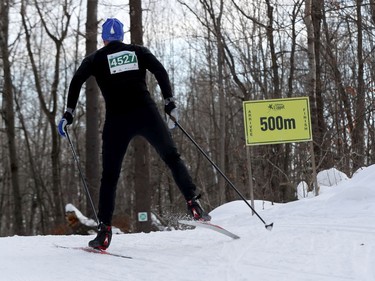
<point x="326" y="238"/>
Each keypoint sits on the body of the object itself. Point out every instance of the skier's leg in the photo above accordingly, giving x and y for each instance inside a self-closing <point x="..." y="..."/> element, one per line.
<point x="116" y="137"/>
<point x="157" y="133"/>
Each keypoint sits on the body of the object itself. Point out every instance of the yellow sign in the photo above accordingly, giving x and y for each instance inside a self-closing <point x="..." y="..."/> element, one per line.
<point x="277" y="121"/>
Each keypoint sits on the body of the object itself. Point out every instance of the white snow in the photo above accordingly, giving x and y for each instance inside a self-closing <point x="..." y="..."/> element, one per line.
<point x="331" y="177"/>
<point x="326" y="238"/>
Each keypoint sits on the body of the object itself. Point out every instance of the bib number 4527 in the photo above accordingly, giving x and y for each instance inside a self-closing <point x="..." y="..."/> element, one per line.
<point x="122" y="61"/>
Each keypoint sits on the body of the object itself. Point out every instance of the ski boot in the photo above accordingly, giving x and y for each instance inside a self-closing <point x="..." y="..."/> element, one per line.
<point x="196" y="210"/>
<point x="103" y="238"/>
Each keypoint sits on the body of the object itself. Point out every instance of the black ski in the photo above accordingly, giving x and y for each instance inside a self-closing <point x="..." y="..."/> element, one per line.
<point x="93" y="250"/>
<point x="209" y="225"/>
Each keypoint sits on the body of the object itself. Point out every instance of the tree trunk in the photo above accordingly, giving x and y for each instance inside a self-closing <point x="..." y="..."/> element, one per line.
<point x="9" y="119"/>
<point x="275" y="68"/>
<point x="320" y="129"/>
<point x="222" y="103"/>
<point x="358" y="135"/>
<point x="92" y="111"/>
<point x="142" y="154"/>
<point x="311" y="79"/>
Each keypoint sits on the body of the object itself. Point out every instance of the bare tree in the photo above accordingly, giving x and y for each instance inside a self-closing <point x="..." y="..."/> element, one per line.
<point x="92" y="110"/>
<point x="358" y="130"/>
<point x="141" y="148"/>
<point x="9" y="119"/>
<point x="212" y="21"/>
<point x="48" y="101"/>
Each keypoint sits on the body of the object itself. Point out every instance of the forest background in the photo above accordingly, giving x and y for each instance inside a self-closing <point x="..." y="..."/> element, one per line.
<point x="218" y="54"/>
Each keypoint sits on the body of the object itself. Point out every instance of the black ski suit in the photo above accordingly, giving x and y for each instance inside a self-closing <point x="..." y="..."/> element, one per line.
<point x="120" y="71"/>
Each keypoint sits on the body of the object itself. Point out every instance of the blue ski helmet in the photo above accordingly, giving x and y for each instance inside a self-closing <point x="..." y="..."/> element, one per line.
<point x="112" y="30"/>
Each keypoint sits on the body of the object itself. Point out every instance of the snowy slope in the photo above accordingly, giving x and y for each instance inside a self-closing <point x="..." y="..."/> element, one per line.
<point x="327" y="238"/>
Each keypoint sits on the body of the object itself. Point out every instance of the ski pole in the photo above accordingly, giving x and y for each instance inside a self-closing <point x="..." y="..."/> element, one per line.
<point x="268" y="226"/>
<point x="81" y="175"/>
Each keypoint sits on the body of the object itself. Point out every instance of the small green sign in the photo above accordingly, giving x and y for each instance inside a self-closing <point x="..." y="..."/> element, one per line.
<point x="142" y="216"/>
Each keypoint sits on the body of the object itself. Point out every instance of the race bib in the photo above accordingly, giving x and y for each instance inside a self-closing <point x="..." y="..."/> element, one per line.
<point x="122" y="61"/>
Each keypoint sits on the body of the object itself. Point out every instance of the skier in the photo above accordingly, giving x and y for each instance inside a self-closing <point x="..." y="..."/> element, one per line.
<point x="120" y="71"/>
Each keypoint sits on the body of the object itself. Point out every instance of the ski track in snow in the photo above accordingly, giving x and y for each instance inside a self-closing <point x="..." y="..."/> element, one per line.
<point x="327" y="238"/>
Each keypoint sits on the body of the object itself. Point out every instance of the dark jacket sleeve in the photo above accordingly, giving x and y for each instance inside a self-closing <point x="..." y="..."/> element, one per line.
<point x="82" y="74"/>
<point x="161" y="75"/>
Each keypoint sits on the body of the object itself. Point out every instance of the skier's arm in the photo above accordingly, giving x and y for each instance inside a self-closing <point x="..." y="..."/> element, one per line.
<point x="161" y="75"/>
<point x="82" y="74"/>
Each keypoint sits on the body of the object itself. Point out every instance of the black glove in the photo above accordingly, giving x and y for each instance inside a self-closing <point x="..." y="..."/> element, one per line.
<point x="170" y="109"/>
<point x="67" y="119"/>
<point x="169" y="105"/>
